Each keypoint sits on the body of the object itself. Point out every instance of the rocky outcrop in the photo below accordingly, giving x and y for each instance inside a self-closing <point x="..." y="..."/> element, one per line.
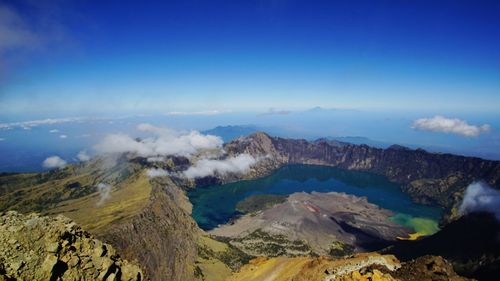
<point x="361" y="267"/>
<point x="428" y="268"/>
<point x="43" y="248"/>
<point x="431" y="178"/>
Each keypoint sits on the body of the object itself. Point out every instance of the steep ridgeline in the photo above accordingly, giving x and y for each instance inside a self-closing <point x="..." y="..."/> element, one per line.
<point x="147" y="220"/>
<point x="430" y="178"/>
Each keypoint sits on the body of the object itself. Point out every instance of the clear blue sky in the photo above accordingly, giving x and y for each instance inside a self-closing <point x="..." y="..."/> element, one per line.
<point x="128" y="56"/>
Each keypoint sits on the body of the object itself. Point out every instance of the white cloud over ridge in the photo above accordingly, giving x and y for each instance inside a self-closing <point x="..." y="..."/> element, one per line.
<point x="442" y="124"/>
<point x="83" y="156"/>
<point x="54" y="162"/>
<point x="156" y="172"/>
<point x="164" y="142"/>
<point x="207" y="167"/>
<point x="480" y="197"/>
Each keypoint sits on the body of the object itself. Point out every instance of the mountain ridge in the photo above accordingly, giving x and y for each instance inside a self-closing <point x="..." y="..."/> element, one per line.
<point x="429" y="178"/>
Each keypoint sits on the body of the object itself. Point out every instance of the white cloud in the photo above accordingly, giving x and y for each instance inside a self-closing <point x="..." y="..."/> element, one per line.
<point x="481" y="197"/>
<point x="154" y="172"/>
<point x="207" y="167"/>
<point x="156" y="159"/>
<point x="104" y="191"/>
<point x="63" y="136"/>
<point x="83" y="156"/>
<point x="53" y="131"/>
<point x="164" y="142"/>
<point x="449" y="125"/>
<point x="2" y="139"/>
<point x="54" y="162"/>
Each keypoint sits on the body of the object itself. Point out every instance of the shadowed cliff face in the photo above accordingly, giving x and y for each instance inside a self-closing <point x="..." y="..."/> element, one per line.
<point x="162" y="237"/>
<point x="430" y="178"/>
<point x="471" y="243"/>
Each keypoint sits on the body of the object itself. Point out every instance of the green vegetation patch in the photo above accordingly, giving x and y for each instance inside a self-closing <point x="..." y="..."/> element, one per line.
<point x="273" y="245"/>
<point x="259" y="202"/>
<point x="339" y="249"/>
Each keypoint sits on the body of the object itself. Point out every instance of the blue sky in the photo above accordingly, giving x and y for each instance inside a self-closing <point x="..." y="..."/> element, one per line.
<point x="91" y="57"/>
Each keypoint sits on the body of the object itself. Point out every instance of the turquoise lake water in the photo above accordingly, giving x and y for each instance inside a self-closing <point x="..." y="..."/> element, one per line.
<point x="216" y="204"/>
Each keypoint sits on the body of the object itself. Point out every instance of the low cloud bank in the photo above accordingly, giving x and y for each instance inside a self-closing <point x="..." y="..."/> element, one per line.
<point x="54" y="162"/>
<point x="207" y="167"/>
<point x="164" y="142"/>
<point x="83" y="156"/>
<point x="154" y="172"/>
<point x="449" y="125"/>
<point x="480" y="197"/>
<point x="34" y="123"/>
<point x="184" y="113"/>
<point x="104" y="190"/>
<point x="273" y="111"/>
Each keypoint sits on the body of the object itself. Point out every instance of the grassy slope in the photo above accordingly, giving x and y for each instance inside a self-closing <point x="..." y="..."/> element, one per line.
<point x="125" y="200"/>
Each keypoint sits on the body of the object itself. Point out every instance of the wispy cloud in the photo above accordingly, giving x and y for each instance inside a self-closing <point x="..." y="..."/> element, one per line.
<point x="63" y="136"/>
<point x="37" y="28"/>
<point x="53" y="131"/>
<point x="54" y="162"/>
<point x="104" y="190"/>
<point x="15" y="32"/>
<point x="449" y="125"/>
<point x="164" y="142"/>
<point x="207" y="167"/>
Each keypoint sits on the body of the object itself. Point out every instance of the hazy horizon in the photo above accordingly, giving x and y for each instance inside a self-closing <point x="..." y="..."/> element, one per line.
<point x="423" y="74"/>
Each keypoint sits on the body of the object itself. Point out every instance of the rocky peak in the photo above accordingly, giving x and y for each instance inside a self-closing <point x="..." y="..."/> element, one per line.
<point x="34" y="247"/>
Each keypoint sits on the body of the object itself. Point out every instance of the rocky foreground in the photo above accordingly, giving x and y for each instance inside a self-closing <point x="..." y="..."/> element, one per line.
<point x="34" y="247"/>
<point x="44" y="248"/>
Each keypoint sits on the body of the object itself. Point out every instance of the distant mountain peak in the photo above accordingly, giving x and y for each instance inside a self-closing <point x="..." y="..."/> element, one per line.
<point x="398" y="147"/>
